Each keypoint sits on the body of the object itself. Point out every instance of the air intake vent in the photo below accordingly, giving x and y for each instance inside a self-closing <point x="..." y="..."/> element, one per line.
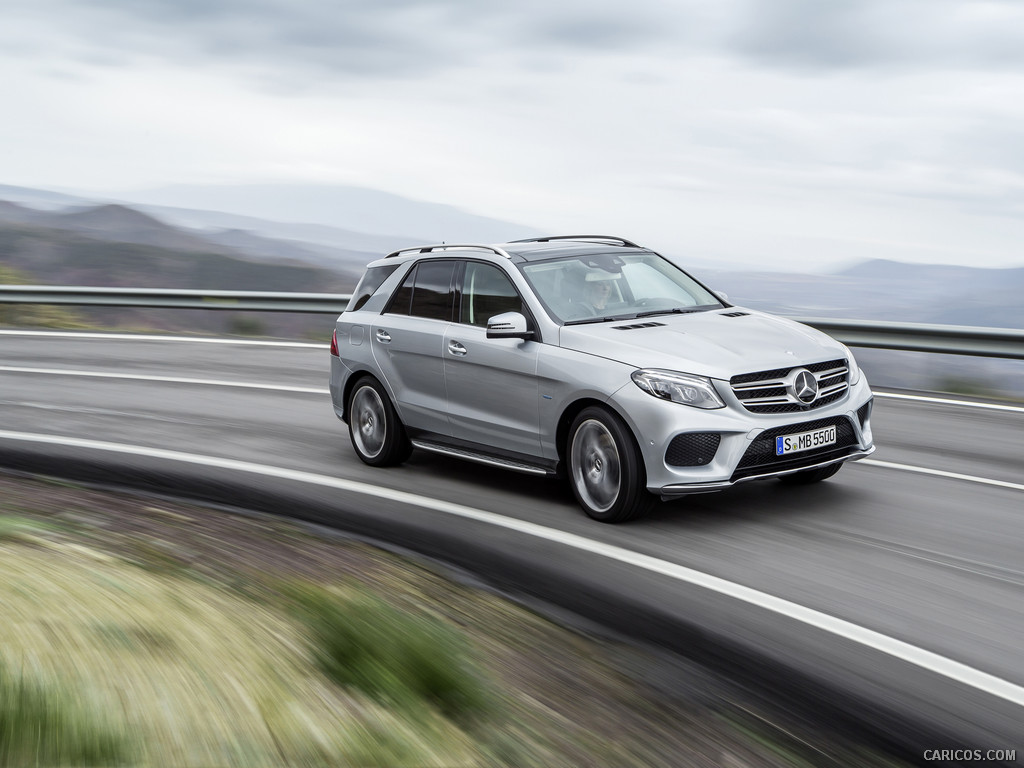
<point x="864" y="412"/>
<point x="636" y="325"/>
<point x="735" y="314"/>
<point x="694" y="449"/>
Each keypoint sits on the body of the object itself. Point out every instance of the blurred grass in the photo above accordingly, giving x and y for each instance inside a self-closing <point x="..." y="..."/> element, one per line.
<point x="24" y="529"/>
<point x="43" y="725"/>
<point x="401" y="659"/>
<point x="203" y="676"/>
<point x="221" y="640"/>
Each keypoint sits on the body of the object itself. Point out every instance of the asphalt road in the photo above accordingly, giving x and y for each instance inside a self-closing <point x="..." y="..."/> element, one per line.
<point x="927" y="559"/>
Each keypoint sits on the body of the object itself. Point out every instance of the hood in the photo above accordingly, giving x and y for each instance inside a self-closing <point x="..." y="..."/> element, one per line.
<point x="706" y="343"/>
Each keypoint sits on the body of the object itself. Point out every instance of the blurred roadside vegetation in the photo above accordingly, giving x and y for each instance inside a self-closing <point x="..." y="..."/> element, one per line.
<point x="176" y="636"/>
<point x="35" y="315"/>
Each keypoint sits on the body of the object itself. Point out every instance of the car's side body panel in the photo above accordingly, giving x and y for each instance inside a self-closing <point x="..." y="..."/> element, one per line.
<point x="492" y="389"/>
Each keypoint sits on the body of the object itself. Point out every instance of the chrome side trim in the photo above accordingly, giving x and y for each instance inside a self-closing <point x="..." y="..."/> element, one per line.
<point x="685" y="489"/>
<point x="479" y="458"/>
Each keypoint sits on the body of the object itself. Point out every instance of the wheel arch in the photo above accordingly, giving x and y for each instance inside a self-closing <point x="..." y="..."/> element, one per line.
<point x="350" y="384"/>
<point x="571" y="411"/>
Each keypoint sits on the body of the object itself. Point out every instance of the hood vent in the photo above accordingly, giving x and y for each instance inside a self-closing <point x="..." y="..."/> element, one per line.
<point x="735" y="314"/>
<point x="636" y="325"/>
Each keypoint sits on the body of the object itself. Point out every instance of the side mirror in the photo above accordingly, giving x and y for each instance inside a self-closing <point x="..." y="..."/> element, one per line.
<point x="722" y="295"/>
<point x="508" y="325"/>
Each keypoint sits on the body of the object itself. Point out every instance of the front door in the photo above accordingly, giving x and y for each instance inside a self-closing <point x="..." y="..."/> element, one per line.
<point x="491" y="383"/>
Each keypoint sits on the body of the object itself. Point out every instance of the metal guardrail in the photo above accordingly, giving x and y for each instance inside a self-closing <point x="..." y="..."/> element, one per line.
<point x="920" y="337"/>
<point x="913" y="337"/>
<point x="236" y="301"/>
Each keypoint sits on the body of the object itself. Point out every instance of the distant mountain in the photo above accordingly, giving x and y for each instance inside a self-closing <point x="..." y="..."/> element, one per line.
<point x="949" y="295"/>
<point x="60" y="256"/>
<point x="886" y="290"/>
<point x="112" y="246"/>
<point x="41" y="198"/>
<point x="315" y="234"/>
<point x="354" y="208"/>
<point x="121" y="224"/>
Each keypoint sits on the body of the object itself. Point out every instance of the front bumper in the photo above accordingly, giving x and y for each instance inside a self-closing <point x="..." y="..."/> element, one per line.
<point x="745" y="440"/>
<point x="686" y="489"/>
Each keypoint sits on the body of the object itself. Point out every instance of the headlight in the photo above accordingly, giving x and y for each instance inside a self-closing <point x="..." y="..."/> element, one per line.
<point x="684" y="388"/>
<point x="851" y="363"/>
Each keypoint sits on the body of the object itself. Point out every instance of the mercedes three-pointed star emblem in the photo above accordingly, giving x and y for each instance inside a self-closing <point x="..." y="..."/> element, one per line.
<point x="804" y="387"/>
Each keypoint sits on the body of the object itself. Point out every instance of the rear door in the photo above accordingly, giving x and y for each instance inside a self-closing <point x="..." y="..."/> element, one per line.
<point x="492" y="383"/>
<point x="408" y="342"/>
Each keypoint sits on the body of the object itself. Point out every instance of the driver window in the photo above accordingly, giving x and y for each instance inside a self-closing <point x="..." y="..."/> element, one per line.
<point x="487" y="291"/>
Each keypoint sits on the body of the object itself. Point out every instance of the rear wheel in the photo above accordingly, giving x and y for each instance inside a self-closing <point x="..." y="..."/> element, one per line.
<point x="606" y="470"/>
<point x="377" y="433"/>
<point x="809" y="476"/>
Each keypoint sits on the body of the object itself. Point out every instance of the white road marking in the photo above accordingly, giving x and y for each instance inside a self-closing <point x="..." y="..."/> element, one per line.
<point x="165" y="379"/>
<point x="950" y="401"/>
<point x="942" y="473"/>
<point x="307" y="345"/>
<point x="326" y="391"/>
<point x="899" y="649"/>
<point x="148" y="337"/>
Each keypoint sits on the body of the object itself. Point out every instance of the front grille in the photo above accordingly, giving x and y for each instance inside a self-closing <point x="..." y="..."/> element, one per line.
<point x="761" y="457"/>
<point x="769" y="391"/>
<point x="692" y="450"/>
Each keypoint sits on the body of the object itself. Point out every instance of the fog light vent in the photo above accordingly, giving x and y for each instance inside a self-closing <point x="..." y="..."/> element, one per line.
<point x="694" y="449"/>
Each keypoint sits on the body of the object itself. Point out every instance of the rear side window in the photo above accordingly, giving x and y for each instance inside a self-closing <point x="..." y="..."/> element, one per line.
<point x="368" y="285"/>
<point x="399" y="304"/>
<point x="427" y="291"/>
<point x="433" y="293"/>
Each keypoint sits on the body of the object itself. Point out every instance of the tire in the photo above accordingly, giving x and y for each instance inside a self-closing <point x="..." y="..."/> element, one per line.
<point x="809" y="476"/>
<point x="605" y="468"/>
<point x="377" y="434"/>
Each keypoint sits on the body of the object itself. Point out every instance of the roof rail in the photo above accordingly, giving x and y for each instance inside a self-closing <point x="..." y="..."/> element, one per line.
<point x="449" y="246"/>
<point x="606" y="238"/>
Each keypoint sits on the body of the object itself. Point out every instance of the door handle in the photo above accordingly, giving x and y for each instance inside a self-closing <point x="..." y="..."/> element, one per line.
<point x="456" y="348"/>
<point x="383" y="336"/>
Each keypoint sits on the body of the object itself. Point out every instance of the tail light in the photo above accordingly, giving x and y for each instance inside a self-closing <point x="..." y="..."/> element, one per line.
<point x="334" y="343"/>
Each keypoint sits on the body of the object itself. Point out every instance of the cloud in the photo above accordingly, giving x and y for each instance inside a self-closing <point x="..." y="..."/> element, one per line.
<point x="415" y="38"/>
<point x="891" y="34"/>
<point x="346" y="39"/>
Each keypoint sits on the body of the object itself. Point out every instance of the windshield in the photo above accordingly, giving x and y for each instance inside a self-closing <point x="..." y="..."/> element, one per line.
<point x="596" y="287"/>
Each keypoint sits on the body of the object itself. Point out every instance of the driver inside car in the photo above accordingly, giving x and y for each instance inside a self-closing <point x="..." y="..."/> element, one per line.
<point x="596" y="292"/>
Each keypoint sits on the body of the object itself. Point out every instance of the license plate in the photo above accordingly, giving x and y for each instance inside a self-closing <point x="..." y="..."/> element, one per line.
<point x="804" y="441"/>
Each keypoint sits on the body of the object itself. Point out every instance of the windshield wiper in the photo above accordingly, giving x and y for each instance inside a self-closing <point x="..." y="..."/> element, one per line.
<point x="673" y="311"/>
<point x="587" y="320"/>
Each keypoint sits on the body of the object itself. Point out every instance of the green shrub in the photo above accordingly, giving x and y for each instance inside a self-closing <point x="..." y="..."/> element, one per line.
<point x="46" y="726"/>
<point x="246" y="325"/>
<point x="397" y="657"/>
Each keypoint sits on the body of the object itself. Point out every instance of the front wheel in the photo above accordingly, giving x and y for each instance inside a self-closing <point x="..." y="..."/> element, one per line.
<point x="606" y="470"/>
<point x="377" y="433"/>
<point x="809" y="476"/>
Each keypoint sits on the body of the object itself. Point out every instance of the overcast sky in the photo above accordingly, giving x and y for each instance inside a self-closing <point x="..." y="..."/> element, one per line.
<point x="795" y="133"/>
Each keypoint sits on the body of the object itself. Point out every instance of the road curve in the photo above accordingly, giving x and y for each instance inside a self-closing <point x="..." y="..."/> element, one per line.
<point x="919" y="547"/>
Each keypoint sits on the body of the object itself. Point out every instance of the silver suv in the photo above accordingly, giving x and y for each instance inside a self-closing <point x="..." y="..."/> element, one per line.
<point x="592" y="357"/>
